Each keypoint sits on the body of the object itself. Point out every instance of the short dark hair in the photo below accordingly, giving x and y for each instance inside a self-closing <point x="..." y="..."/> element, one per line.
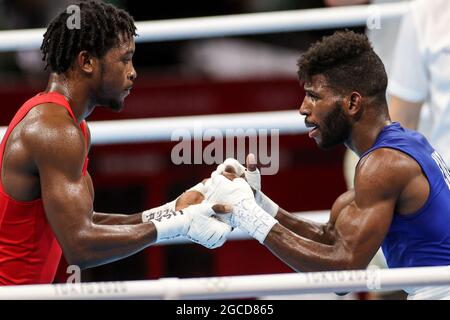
<point x="100" y="27"/>
<point x="348" y="62"/>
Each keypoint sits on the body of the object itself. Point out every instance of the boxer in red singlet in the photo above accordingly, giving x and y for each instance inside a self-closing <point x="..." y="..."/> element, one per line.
<point x="46" y="193"/>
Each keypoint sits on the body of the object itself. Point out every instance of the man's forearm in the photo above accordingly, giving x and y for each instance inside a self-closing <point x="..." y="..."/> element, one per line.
<point x="305" y="255"/>
<point x="305" y="228"/>
<point x="121" y="219"/>
<point x="116" y="218"/>
<point x="100" y="244"/>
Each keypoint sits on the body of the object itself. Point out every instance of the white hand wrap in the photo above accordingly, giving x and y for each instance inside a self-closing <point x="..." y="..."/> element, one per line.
<point x="199" y="187"/>
<point x="266" y="203"/>
<point x="238" y="168"/>
<point x="207" y="231"/>
<point x="246" y="215"/>
<point x="159" y="212"/>
<point x="254" y="180"/>
<point x="253" y="177"/>
<point x="171" y="225"/>
<point x="194" y="222"/>
<point x="221" y="190"/>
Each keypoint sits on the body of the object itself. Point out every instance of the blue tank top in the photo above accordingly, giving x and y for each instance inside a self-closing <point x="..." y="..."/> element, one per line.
<point x="421" y="238"/>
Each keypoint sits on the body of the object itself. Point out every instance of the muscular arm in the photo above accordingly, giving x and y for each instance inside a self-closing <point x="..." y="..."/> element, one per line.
<point x="58" y="149"/>
<point x="405" y="112"/>
<point x="317" y="232"/>
<point x="186" y="199"/>
<point x="116" y="218"/>
<point x="358" y="222"/>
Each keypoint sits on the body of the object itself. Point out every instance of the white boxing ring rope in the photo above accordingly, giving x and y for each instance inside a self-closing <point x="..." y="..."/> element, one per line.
<point x="238" y="286"/>
<point x="287" y="122"/>
<point x="162" y="129"/>
<point x="218" y="26"/>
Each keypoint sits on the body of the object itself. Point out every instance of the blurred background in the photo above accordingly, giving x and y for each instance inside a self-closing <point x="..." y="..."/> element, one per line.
<point x="193" y="77"/>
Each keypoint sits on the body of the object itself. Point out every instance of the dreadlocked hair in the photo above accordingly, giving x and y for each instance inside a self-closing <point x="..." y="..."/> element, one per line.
<point x="347" y="60"/>
<point x="101" y="24"/>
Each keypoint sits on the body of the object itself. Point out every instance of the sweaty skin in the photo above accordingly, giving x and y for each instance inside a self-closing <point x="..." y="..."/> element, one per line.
<point x="386" y="181"/>
<point x="45" y="153"/>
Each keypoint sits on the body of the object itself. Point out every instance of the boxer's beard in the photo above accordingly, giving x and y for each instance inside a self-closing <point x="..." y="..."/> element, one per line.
<point x="335" y="129"/>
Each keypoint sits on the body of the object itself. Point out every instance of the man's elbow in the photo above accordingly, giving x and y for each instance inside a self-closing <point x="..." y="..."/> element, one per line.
<point x="352" y="262"/>
<point x="76" y="258"/>
<point x="76" y="253"/>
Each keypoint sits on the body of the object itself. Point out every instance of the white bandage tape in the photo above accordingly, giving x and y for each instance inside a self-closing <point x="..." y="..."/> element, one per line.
<point x="238" y="168"/>
<point x="170" y="226"/>
<point x="253" y="179"/>
<point x="251" y="218"/>
<point x="159" y="212"/>
<point x="266" y="203"/>
<point x="199" y="187"/>
<point x="236" y="165"/>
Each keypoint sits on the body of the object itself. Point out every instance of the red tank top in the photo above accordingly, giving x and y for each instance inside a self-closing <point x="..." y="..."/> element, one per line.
<point x="29" y="251"/>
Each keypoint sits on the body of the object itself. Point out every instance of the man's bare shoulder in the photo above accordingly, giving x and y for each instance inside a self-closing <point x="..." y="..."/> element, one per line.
<point x="386" y="160"/>
<point x="49" y="130"/>
<point x="385" y="170"/>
